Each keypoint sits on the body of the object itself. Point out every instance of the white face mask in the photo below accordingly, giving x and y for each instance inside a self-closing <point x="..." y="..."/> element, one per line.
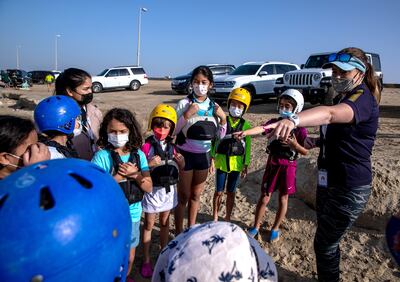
<point x="13" y="165"/>
<point x="118" y="140"/>
<point x="78" y="131"/>
<point x="200" y="89"/>
<point x="235" y="111"/>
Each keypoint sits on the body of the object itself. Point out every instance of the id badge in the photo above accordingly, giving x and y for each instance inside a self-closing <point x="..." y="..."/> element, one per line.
<point x="322" y="178"/>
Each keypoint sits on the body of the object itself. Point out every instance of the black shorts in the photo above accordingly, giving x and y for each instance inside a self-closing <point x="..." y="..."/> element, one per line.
<point x="196" y="161"/>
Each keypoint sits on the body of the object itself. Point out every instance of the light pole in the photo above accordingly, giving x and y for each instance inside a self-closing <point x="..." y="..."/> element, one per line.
<point x="17" y="48"/>
<point x="56" y="51"/>
<point x="138" y="44"/>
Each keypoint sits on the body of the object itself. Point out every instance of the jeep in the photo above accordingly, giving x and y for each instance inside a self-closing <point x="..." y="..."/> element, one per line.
<point x="314" y="82"/>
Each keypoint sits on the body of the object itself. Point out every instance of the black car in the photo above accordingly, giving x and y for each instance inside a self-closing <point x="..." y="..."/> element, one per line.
<point x="181" y="84"/>
<point x="18" y="77"/>
<point x="39" y="76"/>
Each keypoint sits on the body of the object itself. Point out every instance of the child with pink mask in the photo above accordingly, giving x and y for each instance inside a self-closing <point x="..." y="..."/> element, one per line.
<point x="165" y="164"/>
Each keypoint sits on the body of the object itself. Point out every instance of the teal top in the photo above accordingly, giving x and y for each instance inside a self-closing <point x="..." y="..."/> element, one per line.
<point x="103" y="159"/>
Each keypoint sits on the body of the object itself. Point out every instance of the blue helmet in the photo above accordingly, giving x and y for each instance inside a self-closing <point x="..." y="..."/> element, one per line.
<point x="63" y="220"/>
<point x="57" y="113"/>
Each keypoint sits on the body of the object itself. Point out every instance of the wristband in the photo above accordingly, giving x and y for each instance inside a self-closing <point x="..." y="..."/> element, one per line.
<point x="295" y="119"/>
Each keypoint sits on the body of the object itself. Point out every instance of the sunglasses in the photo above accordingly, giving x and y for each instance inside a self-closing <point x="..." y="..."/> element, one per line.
<point x="345" y="58"/>
<point x="341" y="57"/>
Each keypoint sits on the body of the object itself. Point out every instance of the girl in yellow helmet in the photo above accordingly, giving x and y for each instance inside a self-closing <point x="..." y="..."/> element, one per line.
<point x="165" y="164"/>
<point x="232" y="156"/>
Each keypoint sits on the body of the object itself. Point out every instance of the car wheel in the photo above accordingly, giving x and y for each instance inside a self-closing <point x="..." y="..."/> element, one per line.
<point x="252" y="91"/>
<point x="313" y="100"/>
<point x="189" y="88"/>
<point x="134" y="85"/>
<point x="328" y="97"/>
<point x="97" y="87"/>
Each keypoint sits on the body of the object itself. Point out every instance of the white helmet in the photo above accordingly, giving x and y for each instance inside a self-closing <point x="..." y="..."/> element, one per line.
<point x="297" y="96"/>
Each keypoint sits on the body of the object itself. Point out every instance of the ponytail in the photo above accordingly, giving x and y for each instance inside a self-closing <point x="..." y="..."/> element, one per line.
<point x="372" y="82"/>
<point x="369" y="77"/>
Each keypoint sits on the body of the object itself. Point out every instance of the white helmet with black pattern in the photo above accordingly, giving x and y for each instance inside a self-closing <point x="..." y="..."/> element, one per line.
<point x="295" y="95"/>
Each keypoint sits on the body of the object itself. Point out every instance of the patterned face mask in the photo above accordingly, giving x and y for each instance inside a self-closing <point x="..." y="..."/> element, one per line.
<point x="200" y="89"/>
<point x="284" y="113"/>
<point x="344" y="85"/>
<point x="214" y="251"/>
<point x="235" y="111"/>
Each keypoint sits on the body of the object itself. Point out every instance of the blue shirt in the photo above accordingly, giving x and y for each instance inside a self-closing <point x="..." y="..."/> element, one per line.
<point x="103" y="159"/>
<point x="349" y="146"/>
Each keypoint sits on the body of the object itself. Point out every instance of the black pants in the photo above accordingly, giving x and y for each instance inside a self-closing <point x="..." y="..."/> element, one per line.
<point x="337" y="209"/>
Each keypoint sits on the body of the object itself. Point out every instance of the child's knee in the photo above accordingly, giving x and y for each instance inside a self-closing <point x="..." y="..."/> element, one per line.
<point x="164" y="224"/>
<point x="183" y="198"/>
<point x="284" y="198"/>
<point x="264" y="198"/>
<point x="195" y="197"/>
<point x="148" y="225"/>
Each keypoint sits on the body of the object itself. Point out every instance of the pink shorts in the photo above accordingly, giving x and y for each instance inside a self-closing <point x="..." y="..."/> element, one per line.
<point x="280" y="174"/>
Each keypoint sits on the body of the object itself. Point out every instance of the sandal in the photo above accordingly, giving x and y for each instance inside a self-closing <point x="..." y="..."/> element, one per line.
<point x="252" y="232"/>
<point x="274" y="236"/>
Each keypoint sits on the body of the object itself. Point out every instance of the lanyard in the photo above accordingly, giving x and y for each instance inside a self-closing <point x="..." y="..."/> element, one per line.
<point x="86" y="128"/>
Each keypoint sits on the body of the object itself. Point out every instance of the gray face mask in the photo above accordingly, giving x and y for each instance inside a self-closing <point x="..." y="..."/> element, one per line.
<point x="343" y="85"/>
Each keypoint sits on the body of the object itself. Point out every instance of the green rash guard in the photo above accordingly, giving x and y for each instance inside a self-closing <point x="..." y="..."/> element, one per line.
<point x="236" y="163"/>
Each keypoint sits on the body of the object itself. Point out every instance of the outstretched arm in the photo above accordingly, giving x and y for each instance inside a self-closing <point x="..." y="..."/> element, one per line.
<point x="341" y="113"/>
<point x="249" y="132"/>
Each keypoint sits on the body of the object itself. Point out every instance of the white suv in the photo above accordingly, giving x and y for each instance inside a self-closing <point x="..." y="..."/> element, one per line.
<point x="258" y="78"/>
<point x="130" y="77"/>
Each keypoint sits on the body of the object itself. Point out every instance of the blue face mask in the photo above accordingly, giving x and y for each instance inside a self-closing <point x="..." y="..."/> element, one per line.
<point x="284" y="113"/>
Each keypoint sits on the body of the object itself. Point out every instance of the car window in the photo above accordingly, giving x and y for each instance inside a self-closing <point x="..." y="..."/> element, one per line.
<point x="137" y="71"/>
<point x="103" y="72"/>
<point x="229" y="69"/>
<point x="316" y="61"/>
<point x="123" y="72"/>
<point x="112" y="73"/>
<point x="218" y="70"/>
<point x="376" y="62"/>
<point x="291" y="68"/>
<point x="246" y="70"/>
<point x="281" y="69"/>
<point x="268" y="68"/>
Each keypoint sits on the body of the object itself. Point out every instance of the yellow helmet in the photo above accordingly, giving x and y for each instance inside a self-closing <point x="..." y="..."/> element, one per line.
<point x="163" y="111"/>
<point x="241" y="95"/>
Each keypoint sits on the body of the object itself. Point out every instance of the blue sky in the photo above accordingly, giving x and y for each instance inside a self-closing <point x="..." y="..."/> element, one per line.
<point x="179" y="35"/>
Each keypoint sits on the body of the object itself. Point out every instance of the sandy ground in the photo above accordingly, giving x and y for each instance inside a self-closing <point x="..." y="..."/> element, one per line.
<point x="364" y="253"/>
